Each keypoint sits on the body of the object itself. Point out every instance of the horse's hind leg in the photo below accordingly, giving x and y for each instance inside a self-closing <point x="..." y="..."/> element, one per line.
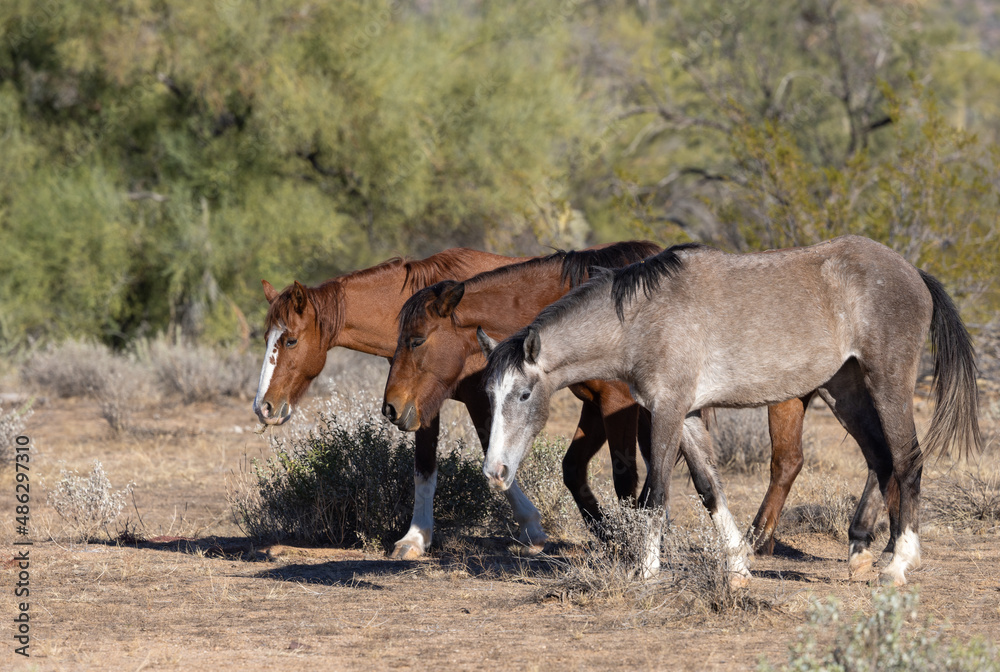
<point x="894" y="400"/>
<point x="784" y="422"/>
<point x="853" y="405"/>
<point x="418" y="538"/>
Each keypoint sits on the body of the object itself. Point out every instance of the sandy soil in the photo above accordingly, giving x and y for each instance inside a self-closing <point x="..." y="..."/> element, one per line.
<point x="198" y="595"/>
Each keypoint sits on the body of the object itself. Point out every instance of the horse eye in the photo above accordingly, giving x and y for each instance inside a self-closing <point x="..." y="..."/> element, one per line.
<point x="417" y="342"/>
<point x="290" y="343"/>
<point x="525" y="395"/>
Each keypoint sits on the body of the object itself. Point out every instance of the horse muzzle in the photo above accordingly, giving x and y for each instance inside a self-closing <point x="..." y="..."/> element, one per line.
<point x="406" y="419"/>
<point x="266" y="413"/>
<point x="497" y="476"/>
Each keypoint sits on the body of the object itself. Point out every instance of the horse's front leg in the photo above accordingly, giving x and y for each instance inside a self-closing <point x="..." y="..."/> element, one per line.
<point x="667" y="429"/>
<point x="696" y="445"/>
<point x="417" y="539"/>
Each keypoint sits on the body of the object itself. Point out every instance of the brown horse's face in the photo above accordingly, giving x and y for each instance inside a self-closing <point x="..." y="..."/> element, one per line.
<point x="295" y="353"/>
<point x="429" y="359"/>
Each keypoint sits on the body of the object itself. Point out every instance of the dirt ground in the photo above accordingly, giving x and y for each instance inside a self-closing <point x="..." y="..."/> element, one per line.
<point x="197" y="595"/>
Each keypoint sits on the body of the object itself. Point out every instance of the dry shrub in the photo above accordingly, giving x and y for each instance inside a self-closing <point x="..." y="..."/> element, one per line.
<point x="741" y="438"/>
<point x="87" y="503"/>
<point x="200" y="373"/>
<point x="349" y="482"/>
<point x="540" y="477"/>
<point x="12" y="424"/>
<point x="831" y="513"/>
<point x="69" y="369"/>
<point x="694" y="572"/>
<point x="75" y="368"/>
<point x="970" y="502"/>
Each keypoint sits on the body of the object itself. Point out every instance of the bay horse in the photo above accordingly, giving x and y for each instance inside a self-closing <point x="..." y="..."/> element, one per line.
<point x="694" y="327"/>
<point x="358" y="311"/>
<point x="437" y="353"/>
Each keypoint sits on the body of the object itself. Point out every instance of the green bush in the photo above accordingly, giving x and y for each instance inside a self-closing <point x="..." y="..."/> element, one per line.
<point x="350" y="482"/>
<point x="888" y="638"/>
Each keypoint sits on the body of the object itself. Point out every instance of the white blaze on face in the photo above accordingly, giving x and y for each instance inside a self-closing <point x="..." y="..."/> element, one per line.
<point x="495" y="456"/>
<point x="270" y="361"/>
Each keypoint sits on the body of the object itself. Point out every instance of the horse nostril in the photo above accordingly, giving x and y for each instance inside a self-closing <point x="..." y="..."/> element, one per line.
<point x="284" y="410"/>
<point x="389" y="411"/>
<point x="504" y="472"/>
<point x="266" y="409"/>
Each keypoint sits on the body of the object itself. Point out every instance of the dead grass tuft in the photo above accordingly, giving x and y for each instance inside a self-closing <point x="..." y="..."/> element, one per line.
<point x="694" y="574"/>
<point x="970" y="501"/>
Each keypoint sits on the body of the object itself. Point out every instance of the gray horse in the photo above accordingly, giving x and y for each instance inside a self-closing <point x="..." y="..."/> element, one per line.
<point x="693" y="327"/>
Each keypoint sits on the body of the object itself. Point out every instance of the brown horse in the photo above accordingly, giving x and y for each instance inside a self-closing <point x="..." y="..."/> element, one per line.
<point x="431" y="363"/>
<point x="358" y="311"/>
<point x="437" y="353"/>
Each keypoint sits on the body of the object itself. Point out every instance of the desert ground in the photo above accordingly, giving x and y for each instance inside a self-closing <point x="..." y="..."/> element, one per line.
<point x="181" y="587"/>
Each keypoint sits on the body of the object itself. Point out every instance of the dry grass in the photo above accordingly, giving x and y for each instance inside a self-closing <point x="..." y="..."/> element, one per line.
<point x="741" y="438"/>
<point x="198" y="373"/>
<point x="968" y="501"/>
<point x="829" y="511"/>
<point x="12" y="424"/>
<point x="694" y="576"/>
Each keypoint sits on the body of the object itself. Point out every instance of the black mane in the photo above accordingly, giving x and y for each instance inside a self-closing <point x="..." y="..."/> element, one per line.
<point x="577" y="265"/>
<point x="625" y="282"/>
<point x="509" y="354"/>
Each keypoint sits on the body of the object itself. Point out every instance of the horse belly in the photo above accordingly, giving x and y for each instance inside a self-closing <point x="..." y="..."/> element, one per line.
<point x="760" y="379"/>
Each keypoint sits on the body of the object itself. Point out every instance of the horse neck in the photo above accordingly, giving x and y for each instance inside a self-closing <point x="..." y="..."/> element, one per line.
<point x="504" y="305"/>
<point x="586" y="346"/>
<point x="370" y="304"/>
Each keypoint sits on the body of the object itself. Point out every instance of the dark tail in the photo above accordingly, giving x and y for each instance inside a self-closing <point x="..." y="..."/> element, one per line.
<point x="956" y="396"/>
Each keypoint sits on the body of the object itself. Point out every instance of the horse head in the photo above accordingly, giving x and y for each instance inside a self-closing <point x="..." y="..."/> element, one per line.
<point x="296" y="352"/>
<point x="429" y="357"/>
<point x="519" y="392"/>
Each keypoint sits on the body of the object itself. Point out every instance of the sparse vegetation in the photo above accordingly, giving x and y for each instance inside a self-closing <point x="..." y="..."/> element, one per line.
<point x="198" y="372"/>
<point x="694" y="574"/>
<point x="87" y="503"/>
<point x="830" y="511"/>
<point x="741" y="438"/>
<point x="969" y="501"/>
<point x="12" y="425"/>
<point x="888" y="637"/>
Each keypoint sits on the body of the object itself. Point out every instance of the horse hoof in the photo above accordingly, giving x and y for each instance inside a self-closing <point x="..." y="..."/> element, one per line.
<point x="739" y="581"/>
<point x="887" y="579"/>
<point x="860" y="563"/>
<point x="529" y="549"/>
<point x="405" y="550"/>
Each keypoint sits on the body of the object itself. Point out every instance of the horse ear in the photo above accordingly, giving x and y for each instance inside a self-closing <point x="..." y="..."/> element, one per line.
<point x="532" y="346"/>
<point x="298" y="297"/>
<point x="270" y="293"/>
<point x="446" y="303"/>
<point x="487" y="344"/>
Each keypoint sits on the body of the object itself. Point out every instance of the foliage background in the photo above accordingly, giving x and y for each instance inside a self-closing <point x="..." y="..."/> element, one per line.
<point x="159" y="158"/>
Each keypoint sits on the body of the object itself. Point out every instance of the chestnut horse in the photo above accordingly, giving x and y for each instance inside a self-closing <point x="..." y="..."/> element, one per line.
<point x="358" y="311"/>
<point x="437" y="353"/>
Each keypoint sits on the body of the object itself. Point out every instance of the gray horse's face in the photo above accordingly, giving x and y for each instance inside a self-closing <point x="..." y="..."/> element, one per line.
<point x="519" y="401"/>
